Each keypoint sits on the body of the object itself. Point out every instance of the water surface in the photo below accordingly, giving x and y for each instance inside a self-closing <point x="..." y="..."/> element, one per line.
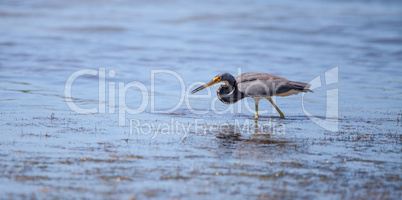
<point x="47" y="150"/>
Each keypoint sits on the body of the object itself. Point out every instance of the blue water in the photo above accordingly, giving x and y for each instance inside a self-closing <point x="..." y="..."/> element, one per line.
<point x="42" y="43"/>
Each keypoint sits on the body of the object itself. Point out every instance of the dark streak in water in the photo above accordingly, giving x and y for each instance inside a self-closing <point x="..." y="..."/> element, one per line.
<point x="98" y="29"/>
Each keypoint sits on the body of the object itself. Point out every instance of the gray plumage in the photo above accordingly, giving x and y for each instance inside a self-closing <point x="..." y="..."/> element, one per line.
<point x="266" y="85"/>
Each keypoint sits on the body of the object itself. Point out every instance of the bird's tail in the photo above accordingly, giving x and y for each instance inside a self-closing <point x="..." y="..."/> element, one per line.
<point x="303" y="87"/>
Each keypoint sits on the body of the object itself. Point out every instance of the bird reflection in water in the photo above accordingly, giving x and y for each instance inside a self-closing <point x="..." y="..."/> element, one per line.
<point x="257" y="134"/>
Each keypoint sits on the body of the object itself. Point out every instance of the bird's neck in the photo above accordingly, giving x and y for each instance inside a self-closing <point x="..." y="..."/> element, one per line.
<point x="229" y="94"/>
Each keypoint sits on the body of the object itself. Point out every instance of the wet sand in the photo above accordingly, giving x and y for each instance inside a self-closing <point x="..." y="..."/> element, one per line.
<point x="92" y="158"/>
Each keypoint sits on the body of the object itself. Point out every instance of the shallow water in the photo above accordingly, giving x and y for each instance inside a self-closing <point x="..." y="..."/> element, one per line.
<point x="47" y="150"/>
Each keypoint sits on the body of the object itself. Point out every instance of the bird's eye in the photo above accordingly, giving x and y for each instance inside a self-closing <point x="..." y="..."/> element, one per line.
<point x="218" y="78"/>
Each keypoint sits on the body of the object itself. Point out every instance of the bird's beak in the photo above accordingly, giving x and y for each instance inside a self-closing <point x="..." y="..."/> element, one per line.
<point x="212" y="82"/>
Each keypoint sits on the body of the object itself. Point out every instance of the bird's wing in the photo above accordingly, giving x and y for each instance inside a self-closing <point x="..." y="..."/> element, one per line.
<point x="256" y="76"/>
<point x="265" y="85"/>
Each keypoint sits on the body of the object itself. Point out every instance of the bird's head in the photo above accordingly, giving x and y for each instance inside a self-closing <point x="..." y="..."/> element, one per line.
<point x="226" y="78"/>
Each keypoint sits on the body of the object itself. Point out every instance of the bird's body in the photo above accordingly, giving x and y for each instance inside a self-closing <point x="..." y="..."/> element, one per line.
<point x="254" y="85"/>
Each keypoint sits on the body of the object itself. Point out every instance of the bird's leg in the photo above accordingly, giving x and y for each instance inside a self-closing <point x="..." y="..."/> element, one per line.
<point x="256" y="107"/>
<point x="256" y="126"/>
<point x="276" y="107"/>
